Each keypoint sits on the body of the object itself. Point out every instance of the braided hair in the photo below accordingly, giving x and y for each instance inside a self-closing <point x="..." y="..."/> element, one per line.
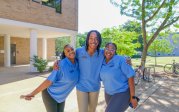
<point x="98" y="38"/>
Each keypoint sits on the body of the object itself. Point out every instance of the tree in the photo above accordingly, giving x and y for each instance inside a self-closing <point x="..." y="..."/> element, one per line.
<point x="80" y="39"/>
<point x="161" y="45"/>
<point x="60" y="43"/>
<point x="105" y="40"/>
<point x="123" y="39"/>
<point x="155" y="16"/>
<point x="134" y="26"/>
<point x="175" y="38"/>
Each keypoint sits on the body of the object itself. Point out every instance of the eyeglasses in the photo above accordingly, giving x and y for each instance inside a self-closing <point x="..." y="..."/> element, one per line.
<point x="110" y="50"/>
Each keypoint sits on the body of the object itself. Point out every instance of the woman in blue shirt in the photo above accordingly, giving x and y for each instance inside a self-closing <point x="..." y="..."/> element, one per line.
<point x="59" y="83"/>
<point x="90" y="58"/>
<point x="117" y="77"/>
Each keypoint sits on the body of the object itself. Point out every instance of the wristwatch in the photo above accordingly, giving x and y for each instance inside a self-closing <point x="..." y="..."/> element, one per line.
<point x="135" y="97"/>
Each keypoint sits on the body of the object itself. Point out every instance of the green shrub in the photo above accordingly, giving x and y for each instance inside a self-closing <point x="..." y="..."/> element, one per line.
<point x="39" y="63"/>
<point x="50" y="68"/>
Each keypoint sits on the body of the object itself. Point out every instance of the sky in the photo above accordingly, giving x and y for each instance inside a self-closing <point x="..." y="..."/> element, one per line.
<point x="98" y="14"/>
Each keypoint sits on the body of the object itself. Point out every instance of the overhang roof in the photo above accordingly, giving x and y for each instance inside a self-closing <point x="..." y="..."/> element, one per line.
<point x="23" y="29"/>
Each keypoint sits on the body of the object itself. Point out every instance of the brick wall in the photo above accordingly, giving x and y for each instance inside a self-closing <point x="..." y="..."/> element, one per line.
<point x="32" y="12"/>
<point x="50" y="48"/>
<point x="22" y="49"/>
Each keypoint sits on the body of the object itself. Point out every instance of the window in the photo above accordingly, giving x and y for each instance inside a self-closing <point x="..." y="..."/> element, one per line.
<point x="38" y="1"/>
<point x="53" y="3"/>
<point x="58" y="5"/>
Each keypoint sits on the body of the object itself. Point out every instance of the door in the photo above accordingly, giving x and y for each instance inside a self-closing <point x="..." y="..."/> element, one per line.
<point x="13" y="53"/>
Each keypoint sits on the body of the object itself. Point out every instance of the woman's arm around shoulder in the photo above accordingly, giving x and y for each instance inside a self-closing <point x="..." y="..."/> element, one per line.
<point x="56" y="65"/>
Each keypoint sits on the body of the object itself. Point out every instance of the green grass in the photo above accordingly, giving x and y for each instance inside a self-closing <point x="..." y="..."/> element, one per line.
<point x="161" y="61"/>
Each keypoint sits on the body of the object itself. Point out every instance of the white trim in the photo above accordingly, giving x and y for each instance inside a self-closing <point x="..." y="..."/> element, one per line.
<point x="73" y="41"/>
<point x="35" y="26"/>
<point x="33" y="48"/>
<point x="7" y="49"/>
<point x="44" y="48"/>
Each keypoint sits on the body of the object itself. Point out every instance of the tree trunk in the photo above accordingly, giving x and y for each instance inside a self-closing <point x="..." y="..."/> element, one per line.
<point x="155" y="57"/>
<point x="144" y="55"/>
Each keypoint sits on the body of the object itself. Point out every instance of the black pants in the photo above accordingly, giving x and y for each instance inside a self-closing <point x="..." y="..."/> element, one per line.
<point x="50" y="104"/>
<point x="118" y="102"/>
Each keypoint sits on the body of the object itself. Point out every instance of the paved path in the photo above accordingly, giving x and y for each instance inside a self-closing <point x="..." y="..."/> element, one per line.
<point x="162" y="96"/>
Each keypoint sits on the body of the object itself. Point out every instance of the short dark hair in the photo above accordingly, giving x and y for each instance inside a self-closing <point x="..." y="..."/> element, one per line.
<point x="98" y="37"/>
<point x="107" y="44"/>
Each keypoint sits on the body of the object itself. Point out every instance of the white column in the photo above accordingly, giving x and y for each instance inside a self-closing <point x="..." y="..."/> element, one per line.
<point x="44" y="48"/>
<point x="7" y="51"/>
<point x="73" y="41"/>
<point x="33" y="48"/>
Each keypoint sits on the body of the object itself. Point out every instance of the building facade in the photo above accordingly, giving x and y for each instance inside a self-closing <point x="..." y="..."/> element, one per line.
<point x="29" y="27"/>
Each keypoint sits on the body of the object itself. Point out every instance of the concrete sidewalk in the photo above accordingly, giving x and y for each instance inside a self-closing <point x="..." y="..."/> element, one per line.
<point x="162" y="96"/>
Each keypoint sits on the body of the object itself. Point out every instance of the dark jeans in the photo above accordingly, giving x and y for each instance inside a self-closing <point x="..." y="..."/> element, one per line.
<point x="50" y="104"/>
<point x="118" y="102"/>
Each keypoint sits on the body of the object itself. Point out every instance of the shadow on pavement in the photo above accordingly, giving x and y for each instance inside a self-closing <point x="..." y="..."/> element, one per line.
<point x="17" y="73"/>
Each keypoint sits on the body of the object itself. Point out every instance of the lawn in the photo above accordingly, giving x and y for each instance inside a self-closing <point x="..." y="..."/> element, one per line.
<point x="161" y="61"/>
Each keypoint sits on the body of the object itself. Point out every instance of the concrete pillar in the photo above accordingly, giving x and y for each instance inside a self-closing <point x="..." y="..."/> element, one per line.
<point x="7" y="51"/>
<point x="73" y="41"/>
<point x="44" y="48"/>
<point x="33" y="48"/>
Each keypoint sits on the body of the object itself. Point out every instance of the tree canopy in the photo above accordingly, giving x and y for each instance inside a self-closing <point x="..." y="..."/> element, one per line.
<point x="154" y="15"/>
<point x="127" y="37"/>
<point x="123" y="39"/>
<point x="80" y="39"/>
<point x="161" y="45"/>
<point x="60" y="42"/>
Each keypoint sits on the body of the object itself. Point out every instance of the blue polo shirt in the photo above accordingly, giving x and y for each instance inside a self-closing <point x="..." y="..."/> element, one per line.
<point x="90" y="66"/>
<point x="63" y="80"/>
<point x="115" y="74"/>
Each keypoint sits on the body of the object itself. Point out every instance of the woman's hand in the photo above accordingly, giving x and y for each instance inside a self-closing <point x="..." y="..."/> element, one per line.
<point x="55" y="66"/>
<point x="27" y="97"/>
<point x="134" y="103"/>
<point x="128" y="61"/>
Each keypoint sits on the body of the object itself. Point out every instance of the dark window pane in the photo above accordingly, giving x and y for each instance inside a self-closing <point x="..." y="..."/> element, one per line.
<point x="53" y="3"/>
<point x="50" y="3"/>
<point x="58" y="5"/>
<point x="38" y="1"/>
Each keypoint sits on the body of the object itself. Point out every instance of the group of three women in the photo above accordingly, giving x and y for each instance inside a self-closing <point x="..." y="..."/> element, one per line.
<point x="85" y="71"/>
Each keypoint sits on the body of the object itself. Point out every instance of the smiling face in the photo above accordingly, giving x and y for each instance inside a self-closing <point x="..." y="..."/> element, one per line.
<point x="109" y="51"/>
<point x="93" y="41"/>
<point x="69" y="52"/>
